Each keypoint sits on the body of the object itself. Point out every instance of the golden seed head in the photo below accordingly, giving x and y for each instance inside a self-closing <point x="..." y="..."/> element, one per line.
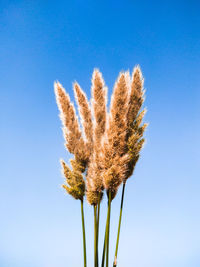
<point x="115" y="139"/>
<point x="85" y="113"/>
<point x="71" y="129"/>
<point x="136" y="98"/>
<point x="95" y="166"/>
<point x="75" y="183"/>
<point x="99" y="101"/>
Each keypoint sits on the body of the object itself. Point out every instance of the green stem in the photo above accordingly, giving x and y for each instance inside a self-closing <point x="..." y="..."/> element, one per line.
<point x="97" y="239"/>
<point x="108" y="229"/>
<point x="105" y="242"/>
<point x="84" y="239"/>
<point x="95" y="234"/>
<point x="119" y="225"/>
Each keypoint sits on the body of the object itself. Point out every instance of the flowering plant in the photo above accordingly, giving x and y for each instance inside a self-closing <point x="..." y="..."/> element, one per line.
<point x="106" y="151"/>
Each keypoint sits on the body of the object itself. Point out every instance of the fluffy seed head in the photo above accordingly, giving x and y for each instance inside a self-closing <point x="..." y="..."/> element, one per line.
<point x="95" y="167"/>
<point x="99" y="101"/>
<point x="71" y="130"/>
<point x="115" y="138"/>
<point x="136" y="98"/>
<point x="85" y="114"/>
<point x="67" y="111"/>
<point x="75" y="183"/>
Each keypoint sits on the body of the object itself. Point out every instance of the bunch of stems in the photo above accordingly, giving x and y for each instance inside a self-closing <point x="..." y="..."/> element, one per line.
<point x="105" y="150"/>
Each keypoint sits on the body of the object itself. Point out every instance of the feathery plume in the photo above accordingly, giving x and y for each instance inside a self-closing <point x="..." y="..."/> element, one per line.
<point x="93" y="196"/>
<point x="71" y="130"/>
<point x="115" y="139"/>
<point x="136" y="98"/>
<point x="99" y="101"/>
<point x="135" y="130"/>
<point x="67" y="111"/>
<point x="95" y="167"/>
<point x="135" y="144"/>
<point x="85" y="114"/>
<point x="75" y="183"/>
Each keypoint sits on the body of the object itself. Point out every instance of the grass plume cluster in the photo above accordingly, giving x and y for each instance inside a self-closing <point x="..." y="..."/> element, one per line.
<point x="106" y="150"/>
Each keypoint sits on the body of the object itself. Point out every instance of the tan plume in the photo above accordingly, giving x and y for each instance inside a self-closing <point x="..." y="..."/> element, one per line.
<point x="136" y="98"/>
<point x="85" y="114"/>
<point x="95" y="167"/>
<point x="71" y="129"/>
<point x="115" y="140"/>
<point x="135" y="129"/>
<point x="75" y="184"/>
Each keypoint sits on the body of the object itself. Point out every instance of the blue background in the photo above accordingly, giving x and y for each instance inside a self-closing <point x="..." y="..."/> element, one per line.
<point x="43" y="41"/>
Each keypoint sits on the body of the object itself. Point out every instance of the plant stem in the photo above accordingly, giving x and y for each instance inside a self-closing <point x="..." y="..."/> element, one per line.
<point x="108" y="229"/>
<point x="119" y="225"/>
<point x="97" y="232"/>
<point x="95" y="236"/>
<point x="105" y="242"/>
<point x="84" y="239"/>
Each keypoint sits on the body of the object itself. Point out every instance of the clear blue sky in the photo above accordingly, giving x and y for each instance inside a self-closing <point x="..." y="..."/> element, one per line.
<point x="43" y="41"/>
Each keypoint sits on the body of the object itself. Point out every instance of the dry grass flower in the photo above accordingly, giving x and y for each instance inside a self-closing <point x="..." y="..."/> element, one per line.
<point x="85" y="114"/>
<point x="95" y="167"/>
<point x="71" y="129"/>
<point x="75" y="183"/>
<point x="136" y="98"/>
<point x="115" y="138"/>
<point x="135" y="129"/>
